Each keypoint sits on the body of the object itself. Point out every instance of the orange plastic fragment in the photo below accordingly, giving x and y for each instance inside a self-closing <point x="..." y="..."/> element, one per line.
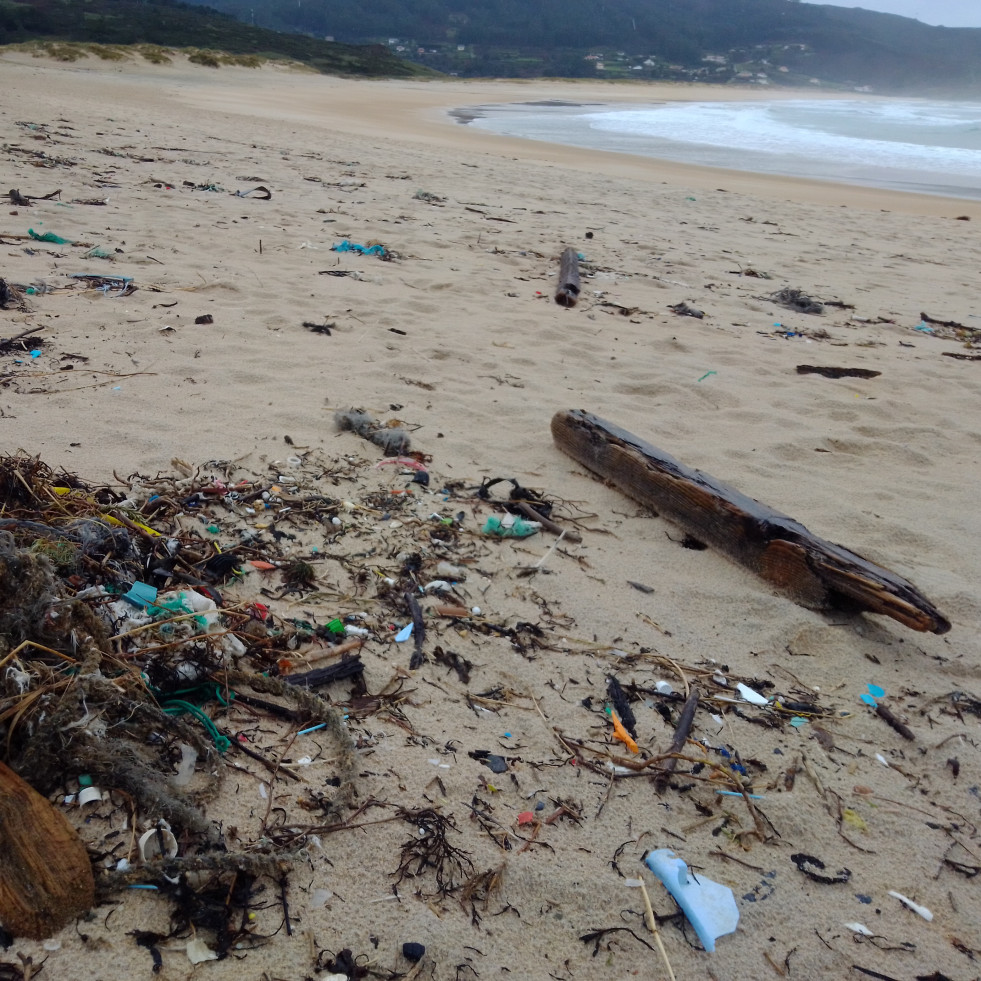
<point x="262" y="566"/>
<point x="620" y="733"/>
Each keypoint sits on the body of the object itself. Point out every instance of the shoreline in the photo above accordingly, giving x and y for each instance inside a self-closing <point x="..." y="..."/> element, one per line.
<point x="421" y="111"/>
<point x="800" y="165"/>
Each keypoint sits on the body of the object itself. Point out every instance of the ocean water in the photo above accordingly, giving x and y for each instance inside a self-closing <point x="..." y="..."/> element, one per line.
<point x="927" y="146"/>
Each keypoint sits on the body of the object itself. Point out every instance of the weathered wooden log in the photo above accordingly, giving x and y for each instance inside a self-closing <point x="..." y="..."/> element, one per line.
<point x="567" y="292"/>
<point x="814" y="572"/>
<point x="45" y="874"/>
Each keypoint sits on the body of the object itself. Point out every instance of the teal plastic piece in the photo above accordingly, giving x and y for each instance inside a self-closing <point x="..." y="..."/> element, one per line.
<point x="710" y="907"/>
<point x="347" y="246"/>
<point x="141" y="595"/>
<point x="49" y="237"/>
<point x="519" y="529"/>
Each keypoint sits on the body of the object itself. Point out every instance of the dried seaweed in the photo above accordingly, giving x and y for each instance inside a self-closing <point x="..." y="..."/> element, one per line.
<point x="429" y="851"/>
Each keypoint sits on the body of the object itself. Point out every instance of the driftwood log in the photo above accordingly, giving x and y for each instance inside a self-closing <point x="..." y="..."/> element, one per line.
<point x="814" y="572"/>
<point x="567" y="292"/>
<point x="45" y="874"/>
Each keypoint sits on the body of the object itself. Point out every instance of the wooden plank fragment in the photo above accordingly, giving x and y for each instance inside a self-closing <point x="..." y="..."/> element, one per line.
<point x="46" y="877"/>
<point x="814" y="572"/>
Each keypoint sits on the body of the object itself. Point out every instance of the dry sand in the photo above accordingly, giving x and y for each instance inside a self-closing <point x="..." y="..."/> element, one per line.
<point x="459" y="338"/>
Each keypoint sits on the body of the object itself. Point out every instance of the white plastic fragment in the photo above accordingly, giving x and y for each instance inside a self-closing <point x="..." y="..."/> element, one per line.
<point x="89" y="795"/>
<point x="350" y="631"/>
<point x="664" y="687"/>
<point x="185" y="769"/>
<point x="633" y="883"/>
<point x="882" y="759"/>
<point x="751" y="696"/>
<point x="915" y="907"/>
<point x="319" y="898"/>
<point x="859" y="928"/>
<point x="198" y="951"/>
<point x="451" y="571"/>
<point x="157" y="841"/>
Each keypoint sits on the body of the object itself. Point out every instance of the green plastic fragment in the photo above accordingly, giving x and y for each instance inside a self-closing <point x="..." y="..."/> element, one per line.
<point x="48" y="237"/>
<point x="85" y="780"/>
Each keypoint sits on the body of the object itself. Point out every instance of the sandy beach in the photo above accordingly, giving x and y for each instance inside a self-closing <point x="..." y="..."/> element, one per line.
<point x="454" y="333"/>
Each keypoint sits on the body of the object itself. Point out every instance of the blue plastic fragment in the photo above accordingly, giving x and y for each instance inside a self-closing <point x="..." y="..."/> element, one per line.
<point x="404" y="634"/>
<point x="710" y="907"/>
<point x="141" y="594"/>
<point x="347" y="246"/>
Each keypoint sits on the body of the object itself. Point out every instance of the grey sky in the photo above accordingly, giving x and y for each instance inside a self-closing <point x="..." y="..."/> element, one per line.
<point x="949" y="13"/>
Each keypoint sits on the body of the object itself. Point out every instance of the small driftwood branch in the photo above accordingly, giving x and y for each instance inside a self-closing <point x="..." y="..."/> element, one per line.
<point x="814" y="572"/>
<point x="547" y="523"/>
<point x="567" y="292"/>
<point x="418" y="632"/>
<point x="345" y="668"/>
<point x="681" y="733"/>
<point x="889" y="718"/>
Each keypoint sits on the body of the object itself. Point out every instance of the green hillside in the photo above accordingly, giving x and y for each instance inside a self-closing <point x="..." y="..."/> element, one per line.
<point x="788" y="41"/>
<point x="177" y="25"/>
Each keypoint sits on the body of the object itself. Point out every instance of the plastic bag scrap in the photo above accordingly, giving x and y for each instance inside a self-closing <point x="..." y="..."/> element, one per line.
<point x="710" y="907"/>
<point x="49" y="237"/>
<point x="347" y="246"/>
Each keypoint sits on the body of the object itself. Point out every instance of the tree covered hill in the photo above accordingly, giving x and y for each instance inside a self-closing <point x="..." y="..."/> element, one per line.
<point x="168" y="24"/>
<point x="846" y="46"/>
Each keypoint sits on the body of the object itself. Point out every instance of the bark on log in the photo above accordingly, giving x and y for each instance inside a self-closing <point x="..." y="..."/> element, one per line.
<point x="814" y="572"/>
<point x="567" y="292"/>
<point x="45" y="874"/>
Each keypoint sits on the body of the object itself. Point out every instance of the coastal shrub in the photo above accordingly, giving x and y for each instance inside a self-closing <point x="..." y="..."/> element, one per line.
<point x="107" y="52"/>
<point x="207" y="58"/>
<point x="155" y="54"/>
<point x="243" y="60"/>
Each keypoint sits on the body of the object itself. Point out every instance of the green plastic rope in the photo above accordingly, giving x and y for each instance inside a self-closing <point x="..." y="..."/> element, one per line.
<point x="176" y="706"/>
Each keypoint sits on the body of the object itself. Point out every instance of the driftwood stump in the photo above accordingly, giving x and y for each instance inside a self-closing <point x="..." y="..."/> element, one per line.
<point x="567" y="292"/>
<point x="814" y="572"/>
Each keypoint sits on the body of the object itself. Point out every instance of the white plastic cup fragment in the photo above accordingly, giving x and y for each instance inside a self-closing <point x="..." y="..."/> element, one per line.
<point x="89" y="795"/>
<point x="155" y="842"/>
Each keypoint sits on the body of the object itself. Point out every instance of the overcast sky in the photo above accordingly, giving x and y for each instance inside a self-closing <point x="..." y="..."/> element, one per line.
<point x="949" y="13"/>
